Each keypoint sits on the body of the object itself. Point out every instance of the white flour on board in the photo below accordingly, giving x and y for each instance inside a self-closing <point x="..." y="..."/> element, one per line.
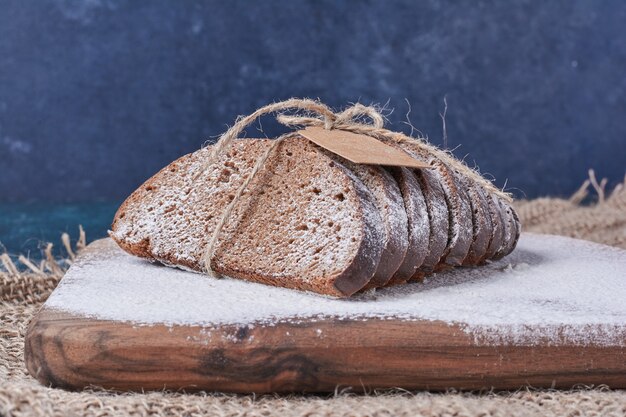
<point x="550" y="289"/>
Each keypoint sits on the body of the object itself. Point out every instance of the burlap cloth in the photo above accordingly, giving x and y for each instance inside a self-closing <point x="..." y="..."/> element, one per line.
<point x="21" y="294"/>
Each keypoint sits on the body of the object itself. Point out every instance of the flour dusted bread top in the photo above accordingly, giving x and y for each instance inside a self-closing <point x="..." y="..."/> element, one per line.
<point x="305" y="221"/>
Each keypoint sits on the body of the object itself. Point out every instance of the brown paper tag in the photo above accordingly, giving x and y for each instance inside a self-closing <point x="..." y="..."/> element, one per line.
<point x="361" y="149"/>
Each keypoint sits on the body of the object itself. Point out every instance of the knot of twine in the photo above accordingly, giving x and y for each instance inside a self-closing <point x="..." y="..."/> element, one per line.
<point x="358" y="118"/>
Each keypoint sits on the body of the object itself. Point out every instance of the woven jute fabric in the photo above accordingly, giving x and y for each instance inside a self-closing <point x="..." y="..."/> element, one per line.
<point x="21" y="295"/>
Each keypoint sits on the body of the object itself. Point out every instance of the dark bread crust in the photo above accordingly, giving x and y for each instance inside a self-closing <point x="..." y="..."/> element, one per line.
<point x="518" y="228"/>
<point x="395" y="251"/>
<point x="435" y="204"/>
<point x="508" y="228"/>
<point x="439" y="225"/>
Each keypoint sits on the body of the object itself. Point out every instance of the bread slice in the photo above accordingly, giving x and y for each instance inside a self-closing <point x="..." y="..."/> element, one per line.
<point x="418" y="224"/>
<point x="482" y="227"/>
<point x="305" y="221"/>
<point x="497" y="227"/>
<point x="439" y="221"/>
<point x="514" y="227"/>
<point x="464" y="218"/>
<point x="389" y="202"/>
<point x="508" y="229"/>
<point x="518" y="227"/>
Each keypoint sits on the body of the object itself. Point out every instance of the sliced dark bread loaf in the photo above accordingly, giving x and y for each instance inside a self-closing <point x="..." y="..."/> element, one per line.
<point x="305" y="221"/>
<point x="418" y="224"/>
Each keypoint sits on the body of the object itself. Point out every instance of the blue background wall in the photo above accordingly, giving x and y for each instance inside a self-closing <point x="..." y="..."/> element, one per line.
<point x="96" y="95"/>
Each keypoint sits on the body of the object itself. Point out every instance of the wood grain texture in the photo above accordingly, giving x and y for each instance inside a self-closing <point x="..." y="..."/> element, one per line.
<point x="74" y="352"/>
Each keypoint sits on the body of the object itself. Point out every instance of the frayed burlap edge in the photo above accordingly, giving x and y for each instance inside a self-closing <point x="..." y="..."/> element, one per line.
<point x="24" y="286"/>
<point x="603" y="221"/>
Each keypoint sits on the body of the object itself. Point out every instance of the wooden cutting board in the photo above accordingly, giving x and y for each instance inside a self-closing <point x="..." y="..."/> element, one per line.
<point x="552" y="314"/>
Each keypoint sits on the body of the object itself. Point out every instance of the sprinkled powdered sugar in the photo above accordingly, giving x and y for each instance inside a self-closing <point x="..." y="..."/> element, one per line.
<point x="550" y="289"/>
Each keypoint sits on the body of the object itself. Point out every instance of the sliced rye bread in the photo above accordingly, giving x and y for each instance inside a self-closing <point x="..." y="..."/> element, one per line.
<point x="508" y="228"/>
<point x="388" y="200"/>
<point x="168" y="218"/>
<point x="482" y="227"/>
<point x="325" y="236"/>
<point x="514" y="225"/>
<point x="418" y="224"/>
<point x="437" y="208"/>
<point x="497" y="229"/>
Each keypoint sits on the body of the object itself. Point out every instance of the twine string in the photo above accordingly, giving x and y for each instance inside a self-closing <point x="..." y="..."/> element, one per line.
<point x="358" y="118"/>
